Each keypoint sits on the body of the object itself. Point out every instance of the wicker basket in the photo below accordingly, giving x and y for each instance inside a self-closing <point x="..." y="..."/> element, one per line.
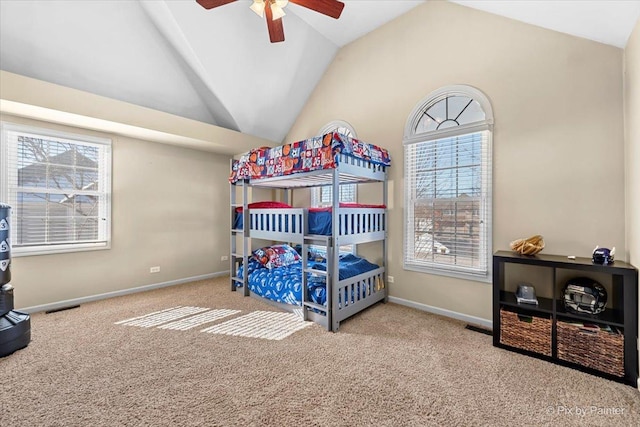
<point x="530" y="333"/>
<point x="530" y="246"/>
<point x="590" y="347"/>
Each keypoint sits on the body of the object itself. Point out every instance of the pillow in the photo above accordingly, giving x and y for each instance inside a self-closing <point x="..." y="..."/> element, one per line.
<point x="313" y="254"/>
<point x="276" y="256"/>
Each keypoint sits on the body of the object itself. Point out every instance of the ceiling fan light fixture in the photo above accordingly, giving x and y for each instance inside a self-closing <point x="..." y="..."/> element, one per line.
<point x="258" y="7"/>
<point x="277" y="11"/>
<point x="273" y="11"/>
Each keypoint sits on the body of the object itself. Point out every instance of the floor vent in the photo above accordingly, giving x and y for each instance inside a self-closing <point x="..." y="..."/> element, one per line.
<point x="479" y="329"/>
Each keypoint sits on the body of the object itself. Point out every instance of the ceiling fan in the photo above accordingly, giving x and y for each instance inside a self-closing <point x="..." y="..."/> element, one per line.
<point x="272" y="10"/>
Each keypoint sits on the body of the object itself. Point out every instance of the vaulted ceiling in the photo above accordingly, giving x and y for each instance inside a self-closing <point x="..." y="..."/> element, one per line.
<point x="217" y="66"/>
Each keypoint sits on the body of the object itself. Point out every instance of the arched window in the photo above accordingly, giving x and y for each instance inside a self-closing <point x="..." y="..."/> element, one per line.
<point x="339" y="126"/>
<point x="447" y="146"/>
<point x="323" y="196"/>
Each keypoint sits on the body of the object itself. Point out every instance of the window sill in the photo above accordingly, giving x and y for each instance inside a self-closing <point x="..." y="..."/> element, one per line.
<point x="475" y="277"/>
<point x="58" y="249"/>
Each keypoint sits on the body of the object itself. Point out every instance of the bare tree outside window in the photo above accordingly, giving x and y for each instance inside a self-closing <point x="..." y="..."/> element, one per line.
<point x="57" y="188"/>
<point x="58" y="201"/>
<point x="446" y="205"/>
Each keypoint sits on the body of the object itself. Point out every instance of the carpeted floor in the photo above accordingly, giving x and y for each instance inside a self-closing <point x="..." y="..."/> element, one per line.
<point x="388" y="366"/>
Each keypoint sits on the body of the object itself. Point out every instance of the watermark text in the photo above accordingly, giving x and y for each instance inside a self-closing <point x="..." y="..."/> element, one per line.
<point x="583" y="411"/>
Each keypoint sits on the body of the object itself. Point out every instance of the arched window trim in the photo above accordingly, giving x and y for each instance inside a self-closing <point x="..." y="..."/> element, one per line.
<point x="337" y="124"/>
<point x="413" y="137"/>
<point x="439" y="95"/>
<point x="447" y="133"/>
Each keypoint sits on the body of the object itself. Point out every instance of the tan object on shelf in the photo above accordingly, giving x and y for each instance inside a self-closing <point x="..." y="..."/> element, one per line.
<point x="530" y="246"/>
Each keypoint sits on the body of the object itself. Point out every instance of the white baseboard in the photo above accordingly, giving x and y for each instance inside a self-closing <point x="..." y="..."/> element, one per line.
<point x="82" y="300"/>
<point x="447" y="313"/>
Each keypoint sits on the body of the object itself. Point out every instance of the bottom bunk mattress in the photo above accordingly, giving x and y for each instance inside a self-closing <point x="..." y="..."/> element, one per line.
<point x="284" y="284"/>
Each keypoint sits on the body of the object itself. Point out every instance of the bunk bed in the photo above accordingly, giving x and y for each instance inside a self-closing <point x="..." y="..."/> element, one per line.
<point x="326" y="289"/>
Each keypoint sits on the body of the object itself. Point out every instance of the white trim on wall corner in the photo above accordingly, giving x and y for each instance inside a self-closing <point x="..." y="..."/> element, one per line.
<point x="77" y="301"/>
<point x="442" y="312"/>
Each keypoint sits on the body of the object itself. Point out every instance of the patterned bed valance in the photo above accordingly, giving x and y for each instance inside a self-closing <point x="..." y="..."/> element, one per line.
<point x="303" y="156"/>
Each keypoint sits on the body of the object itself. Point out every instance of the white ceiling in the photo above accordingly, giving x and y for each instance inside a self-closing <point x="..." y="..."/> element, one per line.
<point x="604" y="21"/>
<point x="217" y="66"/>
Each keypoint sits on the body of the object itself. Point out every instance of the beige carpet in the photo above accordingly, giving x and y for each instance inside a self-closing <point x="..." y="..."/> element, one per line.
<point x="387" y="366"/>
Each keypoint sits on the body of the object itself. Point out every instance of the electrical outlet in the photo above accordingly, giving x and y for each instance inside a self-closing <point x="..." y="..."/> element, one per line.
<point x="154" y="269"/>
<point x="390" y="279"/>
<point x="224" y="258"/>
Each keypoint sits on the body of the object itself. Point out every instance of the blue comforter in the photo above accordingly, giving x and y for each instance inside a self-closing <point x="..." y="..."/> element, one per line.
<point x="284" y="284"/>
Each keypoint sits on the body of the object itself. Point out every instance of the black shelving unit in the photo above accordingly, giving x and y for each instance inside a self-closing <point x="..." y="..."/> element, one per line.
<point x="621" y="311"/>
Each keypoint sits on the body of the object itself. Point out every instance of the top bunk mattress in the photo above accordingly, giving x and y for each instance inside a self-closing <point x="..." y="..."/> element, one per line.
<point x="312" y="154"/>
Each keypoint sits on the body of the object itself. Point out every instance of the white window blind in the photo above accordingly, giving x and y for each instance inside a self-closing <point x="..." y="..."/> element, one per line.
<point x="448" y="185"/>
<point x="323" y="196"/>
<point x="447" y="203"/>
<point x="58" y="185"/>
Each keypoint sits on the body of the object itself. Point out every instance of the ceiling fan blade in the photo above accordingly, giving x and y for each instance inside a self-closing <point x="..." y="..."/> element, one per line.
<point x="210" y="4"/>
<point x="332" y="8"/>
<point x="276" y="30"/>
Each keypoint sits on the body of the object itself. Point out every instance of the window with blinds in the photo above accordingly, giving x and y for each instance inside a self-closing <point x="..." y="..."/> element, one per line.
<point x="448" y="186"/>
<point x="323" y="196"/>
<point x="58" y="186"/>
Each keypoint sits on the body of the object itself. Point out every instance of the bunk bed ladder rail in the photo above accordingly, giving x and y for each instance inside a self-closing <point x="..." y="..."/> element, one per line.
<point x="246" y="239"/>
<point x="305" y="266"/>
<point x="333" y="254"/>
<point x="237" y="257"/>
<point x="310" y="310"/>
<point x="233" y="264"/>
<point x="385" y="247"/>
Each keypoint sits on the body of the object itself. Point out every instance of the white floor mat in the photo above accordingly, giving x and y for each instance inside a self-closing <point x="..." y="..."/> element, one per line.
<point x="261" y="324"/>
<point x="198" y="320"/>
<point x="159" y="317"/>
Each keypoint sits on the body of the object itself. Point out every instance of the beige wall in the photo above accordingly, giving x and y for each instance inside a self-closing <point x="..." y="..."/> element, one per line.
<point x="632" y="142"/>
<point x="165" y="207"/>
<point x="558" y="140"/>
